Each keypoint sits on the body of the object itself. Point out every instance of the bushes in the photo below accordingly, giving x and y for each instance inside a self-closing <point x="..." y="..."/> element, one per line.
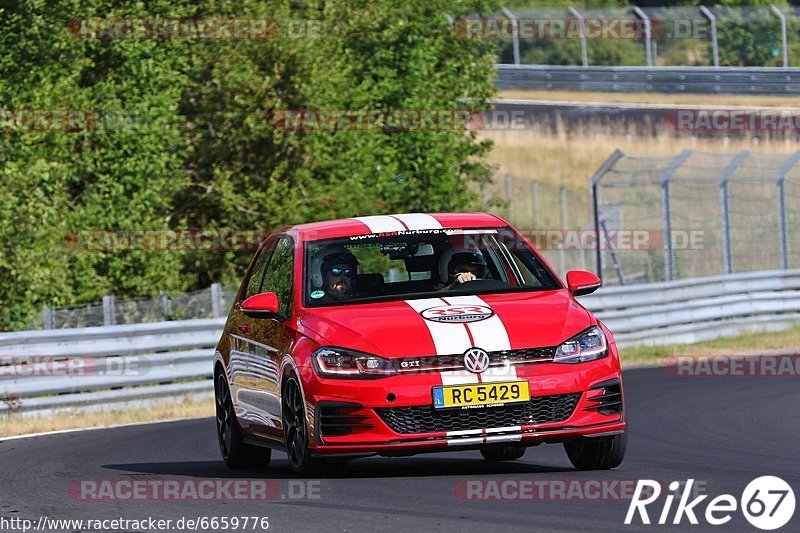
<point x="185" y="135"/>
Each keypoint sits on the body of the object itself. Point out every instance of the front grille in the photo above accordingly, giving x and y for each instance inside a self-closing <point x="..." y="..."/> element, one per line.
<point x="539" y="410"/>
<point x="456" y="361"/>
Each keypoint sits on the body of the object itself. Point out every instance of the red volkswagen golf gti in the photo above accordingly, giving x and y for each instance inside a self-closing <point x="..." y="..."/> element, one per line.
<point x="405" y="334"/>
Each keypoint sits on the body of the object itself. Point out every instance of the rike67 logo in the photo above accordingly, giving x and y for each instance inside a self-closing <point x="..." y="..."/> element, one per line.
<point x="767" y="503"/>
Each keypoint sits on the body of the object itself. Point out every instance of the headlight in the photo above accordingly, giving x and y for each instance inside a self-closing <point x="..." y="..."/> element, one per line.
<point x="587" y="346"/>
<point x="341" y="363"/>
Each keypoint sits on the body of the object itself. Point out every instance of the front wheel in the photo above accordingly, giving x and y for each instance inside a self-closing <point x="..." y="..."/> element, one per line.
<point x="295" y="432"/>
<point x="235" y="452"/>
<point x="597" y="454"/>
<point x="505" y="453"/>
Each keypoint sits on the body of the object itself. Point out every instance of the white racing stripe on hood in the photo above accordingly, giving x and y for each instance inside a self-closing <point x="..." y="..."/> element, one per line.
<point x="419" y="221"/>
<point x="490" y="334"/>
<point x="381" y="223"/>
<point x="448" y="338"/>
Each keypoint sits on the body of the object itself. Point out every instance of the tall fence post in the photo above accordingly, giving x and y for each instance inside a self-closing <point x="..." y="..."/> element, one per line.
<point x="784" y="44"/>
<point x="561" y="253"/>
<point x="510" y="195"/>
<point x="515" y="34"/>
<point x="48" y="317"/>
<point x="724" y="197"/>
<point x="783" y="228"/>
<point x="594" y="184"/>
<point x="666" y="213"/>
<point x="582" y="25"/>
<point x="714" y="43"/>
<point x="535" y="197"/>
<point x="109" y="310"/>
<point x="648" y="35"/>
<point x="216" y="300"/>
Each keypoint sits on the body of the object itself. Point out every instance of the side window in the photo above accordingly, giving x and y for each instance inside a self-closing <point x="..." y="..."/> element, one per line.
<point x="257" y="275"/>
<point x="279" y="274"/>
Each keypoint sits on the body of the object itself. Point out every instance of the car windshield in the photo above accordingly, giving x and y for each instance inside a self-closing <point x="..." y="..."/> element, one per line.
<point x="421" y="263"/>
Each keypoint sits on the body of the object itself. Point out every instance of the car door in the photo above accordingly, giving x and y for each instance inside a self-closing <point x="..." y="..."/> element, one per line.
<point x="259" y="344"/>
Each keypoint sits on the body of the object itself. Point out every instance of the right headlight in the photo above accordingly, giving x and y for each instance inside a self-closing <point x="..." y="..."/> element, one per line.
<point x="586" y="346"/>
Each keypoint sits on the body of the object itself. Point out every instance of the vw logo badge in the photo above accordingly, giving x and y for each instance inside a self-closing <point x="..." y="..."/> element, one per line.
<point x="476" y="360"/>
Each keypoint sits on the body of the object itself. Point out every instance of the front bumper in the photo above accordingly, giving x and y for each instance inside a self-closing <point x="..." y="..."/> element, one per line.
<point x="348" y="417"/>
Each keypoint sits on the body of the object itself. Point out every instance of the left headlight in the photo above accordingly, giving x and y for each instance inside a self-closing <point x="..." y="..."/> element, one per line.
<point x="586" y="346"/>
<point x="332" y="362"/>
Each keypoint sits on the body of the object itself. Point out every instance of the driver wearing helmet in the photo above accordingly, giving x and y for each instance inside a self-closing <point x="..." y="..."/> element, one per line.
<point x="334" y="272"/>
<point x="459" y="265"/>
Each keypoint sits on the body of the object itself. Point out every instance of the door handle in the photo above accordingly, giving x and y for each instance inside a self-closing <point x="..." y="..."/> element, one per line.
<point x="244" y="328"/>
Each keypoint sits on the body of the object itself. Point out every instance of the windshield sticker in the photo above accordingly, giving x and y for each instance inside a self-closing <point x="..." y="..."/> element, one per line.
<point x="317" y="294"/>
<point x="397" y="233"/>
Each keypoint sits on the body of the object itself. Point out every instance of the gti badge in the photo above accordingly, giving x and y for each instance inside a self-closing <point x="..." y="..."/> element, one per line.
<point x="476" y="360"/>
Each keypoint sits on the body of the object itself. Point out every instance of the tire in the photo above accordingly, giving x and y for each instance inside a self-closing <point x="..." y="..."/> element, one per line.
<point x="505" y="453"/>
<point x="295" y="431"/>
<point x="597" y="454"/>
<point x="235" y="452"/>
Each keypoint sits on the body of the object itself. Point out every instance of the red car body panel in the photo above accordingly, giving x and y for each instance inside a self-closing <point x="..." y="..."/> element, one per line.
<point x="396" y="329"/>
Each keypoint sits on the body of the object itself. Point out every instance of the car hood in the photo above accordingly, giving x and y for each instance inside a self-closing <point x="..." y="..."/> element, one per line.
<point x="398" y="329"/>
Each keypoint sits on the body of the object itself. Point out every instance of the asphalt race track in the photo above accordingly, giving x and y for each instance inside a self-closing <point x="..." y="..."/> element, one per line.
<point x="722" y="431"/>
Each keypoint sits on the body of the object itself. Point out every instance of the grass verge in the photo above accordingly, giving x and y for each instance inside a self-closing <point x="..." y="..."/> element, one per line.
<point x="750" y="344"/>
<point x="742" y="100"/>
<point x="15" y="424"/>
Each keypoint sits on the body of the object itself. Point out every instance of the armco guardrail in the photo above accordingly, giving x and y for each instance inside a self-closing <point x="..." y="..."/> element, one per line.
<point x="746" y="80"/>
<point x="699" y="309"/>
<point x="52" y="370"/>
<point x="119" y="365"/>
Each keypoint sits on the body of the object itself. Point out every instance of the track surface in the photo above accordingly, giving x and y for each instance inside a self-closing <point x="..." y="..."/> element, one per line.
<point x="723" y="431"/>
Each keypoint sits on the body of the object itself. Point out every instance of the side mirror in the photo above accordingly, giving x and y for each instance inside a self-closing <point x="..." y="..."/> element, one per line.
<point x="581" y="282"/>
<point x="264" y="305"/>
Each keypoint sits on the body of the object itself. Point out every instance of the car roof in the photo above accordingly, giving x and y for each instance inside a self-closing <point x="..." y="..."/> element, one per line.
<point x="345" y="227"/>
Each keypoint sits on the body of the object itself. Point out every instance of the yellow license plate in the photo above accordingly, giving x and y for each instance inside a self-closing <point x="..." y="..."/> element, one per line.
<point x="480" y="394"/>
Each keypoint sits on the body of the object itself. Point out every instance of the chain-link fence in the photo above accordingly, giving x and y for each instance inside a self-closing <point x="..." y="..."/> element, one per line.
<point x="696" y="214"/>
<point x="206" y="303"/>
<point x="555" y="219"/>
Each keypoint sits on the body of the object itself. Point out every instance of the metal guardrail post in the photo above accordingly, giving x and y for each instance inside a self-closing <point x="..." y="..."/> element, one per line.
<point x="714" y="43"/>
<point x="784" y="43"/>
<point x="783" y="227"/>
<point x="648" y="35"/>
<point x="515" y="35"/>
<point x="216" y="300"/>
<point x="584" y="46"/>
<point x="724" y="197"/>
<point x="666" y="213"/>
<point x="109" y="311"/>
